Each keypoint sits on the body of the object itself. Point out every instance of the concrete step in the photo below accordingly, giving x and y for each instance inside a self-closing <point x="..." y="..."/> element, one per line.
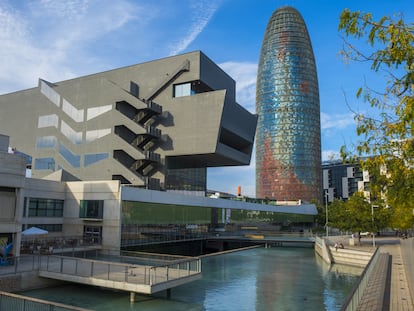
<point x="350" y="257"/>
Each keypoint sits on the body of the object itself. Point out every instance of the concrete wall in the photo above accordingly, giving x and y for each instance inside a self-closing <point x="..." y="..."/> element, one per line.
<point x="25" y="281"/>
<point x="111" y="222"/>
<point x="322" y="250"/>
<point x="12" y="177"/>
<point x="79" y="117"/>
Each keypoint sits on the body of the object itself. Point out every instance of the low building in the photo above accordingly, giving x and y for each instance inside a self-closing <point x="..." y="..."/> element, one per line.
<point x="114" y="214"/>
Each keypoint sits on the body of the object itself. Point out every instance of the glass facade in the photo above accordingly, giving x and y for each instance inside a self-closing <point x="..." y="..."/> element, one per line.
<point x="189" y="179"/>
<point x="39" y="207"/>
<point x="288" y="139"/>
<point x="143" y="222"/>
<point x="91" y="209"/>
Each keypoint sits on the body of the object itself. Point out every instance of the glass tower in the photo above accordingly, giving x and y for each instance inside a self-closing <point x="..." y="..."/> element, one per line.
<point x="288" y="137"/>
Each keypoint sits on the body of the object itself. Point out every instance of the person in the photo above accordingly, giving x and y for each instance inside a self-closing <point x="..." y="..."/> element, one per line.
<point x="336" y="246"/>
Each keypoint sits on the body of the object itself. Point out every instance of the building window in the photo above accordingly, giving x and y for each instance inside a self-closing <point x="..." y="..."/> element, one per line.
<point x="46" y="142"/>
<point x="44" y="164"/>
<point x="72" y="158"/>
<point x="189" y="179"/>
<point x="91" y="209"/>
<point x="71" y="111"/>
<point x="50" y="120"/>
<point x="50" y="93"/>
<point x="182" y="90"/>
<point x="96" y="134"/>
<point x="44" y="207"/>
<point x="97" y="111"/>
<point x="93" y="158"/>
<point x="191" y="88"/>
<point x="92" y="233"/>
<point x="71" y="134"/>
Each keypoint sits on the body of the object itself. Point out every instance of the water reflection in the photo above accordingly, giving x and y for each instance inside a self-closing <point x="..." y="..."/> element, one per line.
<point x="257" y="279"/>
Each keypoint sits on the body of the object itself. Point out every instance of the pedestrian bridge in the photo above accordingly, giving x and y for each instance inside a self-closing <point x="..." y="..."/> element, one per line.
<point x="126" y="276"/>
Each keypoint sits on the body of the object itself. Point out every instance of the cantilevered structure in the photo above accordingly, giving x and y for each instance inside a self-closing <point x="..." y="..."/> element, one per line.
<point x="156" y="125"/>
<point x="288" y="138"/>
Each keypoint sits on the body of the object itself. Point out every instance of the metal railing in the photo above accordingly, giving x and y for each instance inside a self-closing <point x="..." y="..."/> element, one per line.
<point x="9" y="301"/>
<point x="354" y="298"/>
<point x="120" y="272"/>
<point x="407" y="253"/>
<point x="14" y="265"/>
<point x="48" y="245"/>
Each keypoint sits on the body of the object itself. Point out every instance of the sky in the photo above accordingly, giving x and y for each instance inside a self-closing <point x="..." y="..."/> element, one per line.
<point x="60" y="39"/>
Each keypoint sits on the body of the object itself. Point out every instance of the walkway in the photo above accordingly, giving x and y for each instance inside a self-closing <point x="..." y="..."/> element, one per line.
<point x="399" y="294"/>
<point x="136" y="278"/>
<point x="400" y="298"/>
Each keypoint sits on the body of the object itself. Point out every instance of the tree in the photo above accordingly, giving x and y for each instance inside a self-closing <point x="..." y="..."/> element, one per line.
<point x="357" y="214"/>
<point x="352" y="215"/>
<point x="387" y="138"/>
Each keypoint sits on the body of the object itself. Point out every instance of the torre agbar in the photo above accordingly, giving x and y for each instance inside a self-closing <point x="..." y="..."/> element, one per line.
<point x="288" y="139"/>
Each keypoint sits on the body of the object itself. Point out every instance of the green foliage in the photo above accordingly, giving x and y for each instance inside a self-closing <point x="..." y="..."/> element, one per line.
<point x="388" y="137"/>
<point x="356" y="214"/>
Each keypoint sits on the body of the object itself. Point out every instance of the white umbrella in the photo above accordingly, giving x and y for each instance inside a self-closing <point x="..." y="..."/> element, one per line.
<point x="34" y="231"/>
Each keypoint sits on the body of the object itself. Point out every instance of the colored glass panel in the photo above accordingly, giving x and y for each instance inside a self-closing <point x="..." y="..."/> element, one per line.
<point x="288" y="143"/>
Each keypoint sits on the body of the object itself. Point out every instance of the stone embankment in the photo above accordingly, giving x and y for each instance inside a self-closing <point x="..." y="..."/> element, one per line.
<point x="385" y="282"/>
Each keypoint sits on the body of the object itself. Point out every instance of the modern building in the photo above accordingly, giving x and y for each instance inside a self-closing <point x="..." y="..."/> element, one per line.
<point x="114" y="214"/>
<point x="156" y="125"/>
<point x="101" y="146"/>
<point x="342" y="180"/>
<point x="288" y="136"/>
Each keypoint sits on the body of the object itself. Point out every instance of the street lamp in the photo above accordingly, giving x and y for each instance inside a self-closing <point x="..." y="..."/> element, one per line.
<point x="372" y="219"/>
<point x="326" y="208"/>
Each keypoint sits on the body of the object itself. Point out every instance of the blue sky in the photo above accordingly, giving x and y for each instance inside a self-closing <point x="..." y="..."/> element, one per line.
<point x="62" y="39"/>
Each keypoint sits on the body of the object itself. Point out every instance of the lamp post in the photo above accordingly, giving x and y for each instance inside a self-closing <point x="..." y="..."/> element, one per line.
<point x="372" y="219"/>
<point x="326" y="208"/>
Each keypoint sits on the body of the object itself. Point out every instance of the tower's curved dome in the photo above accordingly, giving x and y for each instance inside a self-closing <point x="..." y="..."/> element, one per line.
<point x="288" y="138"/>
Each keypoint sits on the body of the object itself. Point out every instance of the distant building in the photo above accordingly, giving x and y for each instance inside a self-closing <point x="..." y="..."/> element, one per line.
<point x="342" y="180"/>
<point x="288" y="136"/>
<point x="156" y="125"/>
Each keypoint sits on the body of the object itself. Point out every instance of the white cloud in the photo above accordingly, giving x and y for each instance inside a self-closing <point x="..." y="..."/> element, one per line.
<point x="336" y="121"/>
<point x="245" y="75"/>
<point x="52" y="39"/>
<point x="201" y="12"/>
<point x="70" y="9"/>
<point x="330" y="155"/>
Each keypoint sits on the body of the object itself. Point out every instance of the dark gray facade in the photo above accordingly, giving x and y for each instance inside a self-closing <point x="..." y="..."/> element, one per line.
<point x="134" y="124"/>
<point x="342" y="180"/>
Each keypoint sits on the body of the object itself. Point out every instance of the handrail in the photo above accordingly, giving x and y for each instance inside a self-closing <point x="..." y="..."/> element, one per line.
<point x="27" y="303"/>
<point x="407" y="253"/>
<point x="118" y="271"/>
<point x="352" y="301"/>
<point x="20" y="264"/>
